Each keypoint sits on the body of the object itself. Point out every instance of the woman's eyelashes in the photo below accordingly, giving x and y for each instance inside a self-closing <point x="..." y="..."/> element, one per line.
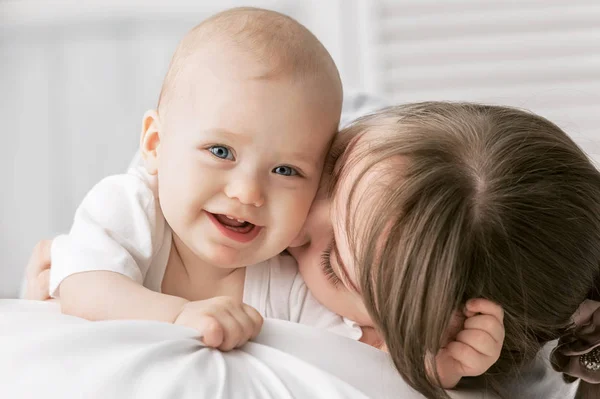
<point x="328" y="269"/>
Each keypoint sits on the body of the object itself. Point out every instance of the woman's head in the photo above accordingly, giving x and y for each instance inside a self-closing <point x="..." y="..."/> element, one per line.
<point x="436" y="203"/>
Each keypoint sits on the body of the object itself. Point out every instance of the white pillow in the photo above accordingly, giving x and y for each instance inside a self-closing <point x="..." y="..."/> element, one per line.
<point x="46" y="354"/>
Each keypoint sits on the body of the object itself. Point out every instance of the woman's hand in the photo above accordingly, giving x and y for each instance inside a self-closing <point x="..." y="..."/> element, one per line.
<point x="38" y="272"/>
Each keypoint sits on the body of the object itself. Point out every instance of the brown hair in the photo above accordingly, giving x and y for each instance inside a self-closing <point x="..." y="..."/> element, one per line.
<point x="491" y="202"/>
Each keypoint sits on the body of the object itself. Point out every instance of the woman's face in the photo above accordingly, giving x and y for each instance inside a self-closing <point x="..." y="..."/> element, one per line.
<point x="314" y="248"/>
<point x="323" y="254"/>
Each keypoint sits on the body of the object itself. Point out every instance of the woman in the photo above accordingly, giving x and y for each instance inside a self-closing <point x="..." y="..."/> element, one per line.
<point x="435" y="203"/>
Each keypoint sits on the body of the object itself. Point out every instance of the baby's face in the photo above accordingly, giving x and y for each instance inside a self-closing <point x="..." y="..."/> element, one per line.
<point x="239" y="162"/>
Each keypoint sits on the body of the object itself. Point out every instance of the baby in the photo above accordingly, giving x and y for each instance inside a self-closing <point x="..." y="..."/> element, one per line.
<point x="233" y="156"/>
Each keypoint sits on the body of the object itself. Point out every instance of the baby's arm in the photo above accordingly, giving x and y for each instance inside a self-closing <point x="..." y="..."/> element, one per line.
<point x="105" y="295"/>
<point x="101" y="295"/>
<point x="223" y="323"/>
<point x="88" y="294"/>
<point x="476" y="347"/>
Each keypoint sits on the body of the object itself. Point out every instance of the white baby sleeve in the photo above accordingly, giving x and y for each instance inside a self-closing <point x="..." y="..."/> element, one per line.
<point x="115" y="229"/>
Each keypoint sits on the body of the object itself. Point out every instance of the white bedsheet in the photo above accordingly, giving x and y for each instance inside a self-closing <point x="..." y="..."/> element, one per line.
<point x="44" y="354"/>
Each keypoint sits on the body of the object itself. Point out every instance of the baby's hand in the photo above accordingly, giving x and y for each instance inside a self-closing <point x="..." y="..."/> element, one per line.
<point x="223" y="322"/>
<point x="37" y="272"/>
<point x="476" y="347"/>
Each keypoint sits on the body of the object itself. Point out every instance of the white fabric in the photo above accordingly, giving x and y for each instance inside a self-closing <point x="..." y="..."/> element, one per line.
<point x="49" y="355"/>
<point x="45" y="354"/>
<point x="120" y="227"/>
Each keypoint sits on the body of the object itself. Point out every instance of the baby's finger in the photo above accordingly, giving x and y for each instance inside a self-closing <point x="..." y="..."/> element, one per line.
<point x="480" y="341"/>
<point x="245" y="322"/>
<point x="484" y="306"/>
<point x="255" y="317"/>
<point x="233" y="330"/>
<point x="486" y="323"/>
<point x="211" y="330"/>
<point x="470" y="362"/>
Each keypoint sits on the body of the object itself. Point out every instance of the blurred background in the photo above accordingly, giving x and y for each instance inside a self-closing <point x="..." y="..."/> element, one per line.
<point x="76" y="77"/>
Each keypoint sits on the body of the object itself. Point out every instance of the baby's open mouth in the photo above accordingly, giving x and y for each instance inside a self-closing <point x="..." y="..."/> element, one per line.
<point x="237" y="225"/>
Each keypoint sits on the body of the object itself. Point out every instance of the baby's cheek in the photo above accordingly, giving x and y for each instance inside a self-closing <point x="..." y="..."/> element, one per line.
<point x="286" y="225"/>
<point x="298" y="208"/>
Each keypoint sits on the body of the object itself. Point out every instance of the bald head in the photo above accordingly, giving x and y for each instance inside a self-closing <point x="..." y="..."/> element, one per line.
<point x="265" y="45"/>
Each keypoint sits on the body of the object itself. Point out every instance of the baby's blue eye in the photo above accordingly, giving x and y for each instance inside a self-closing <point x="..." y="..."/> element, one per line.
<point x="285" y="171"/>
<point x="222" y="152"/>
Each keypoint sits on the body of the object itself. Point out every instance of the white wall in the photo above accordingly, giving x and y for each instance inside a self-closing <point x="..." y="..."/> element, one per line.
<point x="75" y="78"/>
<point x="542" y="55"/>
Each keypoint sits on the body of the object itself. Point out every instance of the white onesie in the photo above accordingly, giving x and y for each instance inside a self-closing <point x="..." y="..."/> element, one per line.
<point x="120" y="227"/>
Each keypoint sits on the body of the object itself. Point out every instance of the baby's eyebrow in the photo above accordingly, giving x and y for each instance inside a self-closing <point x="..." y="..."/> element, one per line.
<point x="342" y="269"/>
<point x="304" y="157"/>
<point x="229" y="135"/>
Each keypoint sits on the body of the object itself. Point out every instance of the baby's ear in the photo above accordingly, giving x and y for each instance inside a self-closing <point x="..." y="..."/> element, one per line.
<point x="150" y="140"/>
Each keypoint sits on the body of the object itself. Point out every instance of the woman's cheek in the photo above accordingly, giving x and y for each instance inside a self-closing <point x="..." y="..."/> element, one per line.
<point x="317" y="283"/>
<point x="338" y="299"/>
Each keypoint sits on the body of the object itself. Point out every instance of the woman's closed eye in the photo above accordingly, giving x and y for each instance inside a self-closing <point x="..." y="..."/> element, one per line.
<point x="328" y="269"/>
